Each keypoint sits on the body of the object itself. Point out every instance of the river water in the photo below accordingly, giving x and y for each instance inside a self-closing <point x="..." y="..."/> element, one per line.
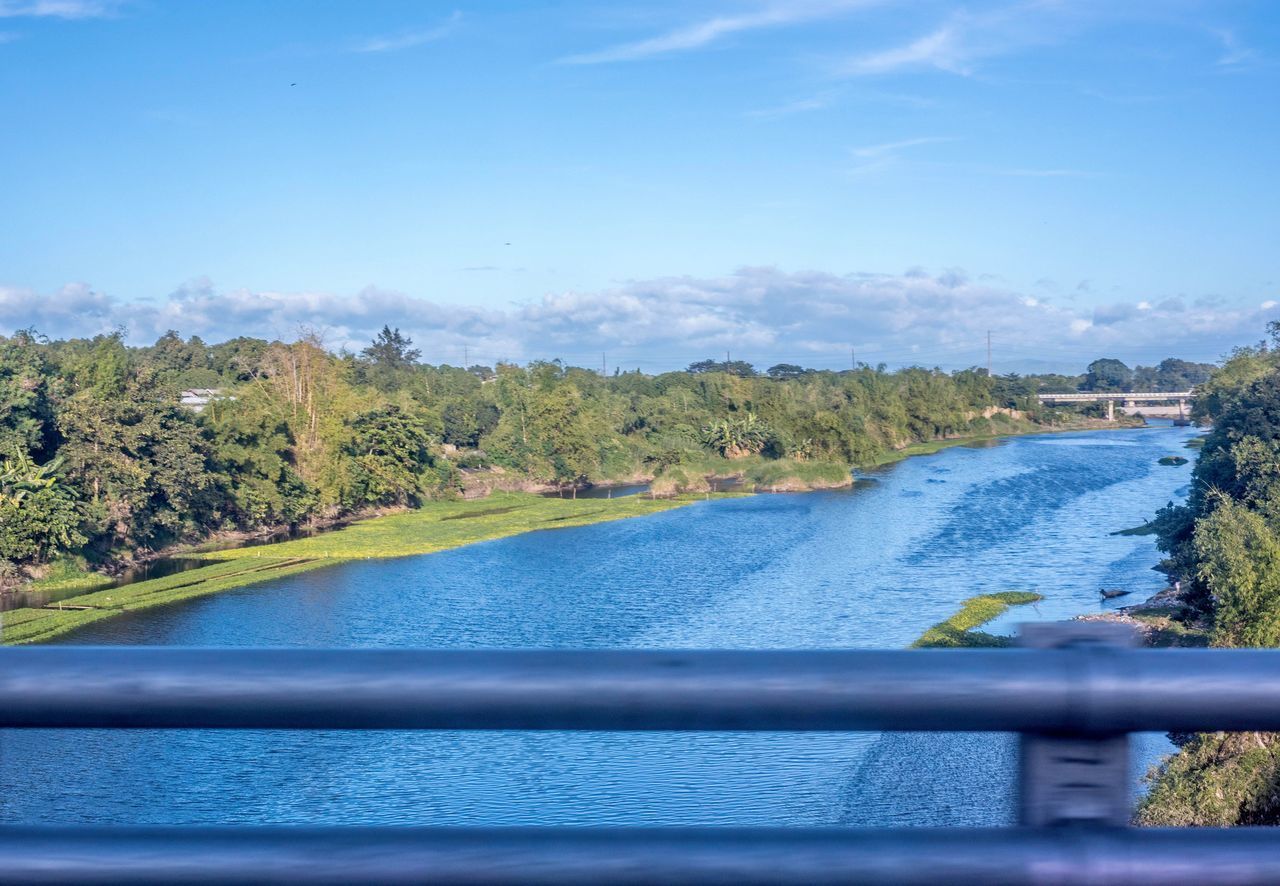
<point x="869" y="567"/>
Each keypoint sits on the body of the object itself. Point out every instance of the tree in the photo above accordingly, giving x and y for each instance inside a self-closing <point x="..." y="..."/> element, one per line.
<point x="389" y="456"/>
<point x="785" y="371"/>
<point x="740" y="368"/>
<point x="38" y="514"/>
<point x="387" y="362"/>
<point x="140" y="463"/>
<point x="1181" y="375"/>
<point x="253" y="464"/>
<point x="1240" y="565"/>
<point x="391" y="350"/>
<point x="1107" y="374"/>
<point x="27" y="393"/>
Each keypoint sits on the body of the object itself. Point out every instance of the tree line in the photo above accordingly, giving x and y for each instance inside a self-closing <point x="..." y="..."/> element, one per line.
<point x="98" y="457"/>
<point x="1223" y="546"/>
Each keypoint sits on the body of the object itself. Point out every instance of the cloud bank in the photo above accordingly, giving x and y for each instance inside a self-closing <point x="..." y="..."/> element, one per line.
<point x="762" y="314"/>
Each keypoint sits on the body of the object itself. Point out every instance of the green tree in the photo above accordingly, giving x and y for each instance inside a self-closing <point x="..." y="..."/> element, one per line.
<point x="389" y="358"/>
<point x="389" y="459"/>
<point x="1239" y="555"/>
<point x="1107" y="374"/>
<point x="38" y="514"/>
<point x="27" y="392"/>
<point x="140" y="462"/>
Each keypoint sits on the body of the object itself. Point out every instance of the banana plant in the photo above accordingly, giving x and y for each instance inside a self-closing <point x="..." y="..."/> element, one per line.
<point x="20" y="476"/>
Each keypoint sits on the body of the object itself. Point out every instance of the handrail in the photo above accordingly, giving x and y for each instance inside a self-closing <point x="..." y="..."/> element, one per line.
<point x="1083" y="690"/>
<point x="1073" y="692"/>
<point x="619" y="857"/>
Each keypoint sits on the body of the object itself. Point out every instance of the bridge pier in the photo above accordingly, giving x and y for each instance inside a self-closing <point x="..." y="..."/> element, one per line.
<point x="1111" y="410"/>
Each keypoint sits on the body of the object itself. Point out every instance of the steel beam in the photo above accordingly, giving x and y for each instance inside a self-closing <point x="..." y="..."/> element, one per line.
<point x="377" y="856"/>
<point x="1079" y="691"/>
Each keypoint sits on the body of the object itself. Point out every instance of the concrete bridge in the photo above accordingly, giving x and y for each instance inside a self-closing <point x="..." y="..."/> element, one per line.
<point x="1152" y="404"/>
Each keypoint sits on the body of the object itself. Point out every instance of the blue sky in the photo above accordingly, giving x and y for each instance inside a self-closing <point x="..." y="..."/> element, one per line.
<point x="657" y="181"/>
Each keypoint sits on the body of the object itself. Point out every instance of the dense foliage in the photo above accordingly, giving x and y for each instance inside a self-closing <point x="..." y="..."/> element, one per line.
<point x="1224" y="546"/>
<point x="101" y="458"/>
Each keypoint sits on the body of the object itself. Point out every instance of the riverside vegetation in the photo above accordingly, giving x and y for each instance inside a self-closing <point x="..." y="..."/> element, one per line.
<point x="1223" y="545"/>
<point x="102" y="466"/>
<point x="436" y="526"/>
<point x="958" y="630"/>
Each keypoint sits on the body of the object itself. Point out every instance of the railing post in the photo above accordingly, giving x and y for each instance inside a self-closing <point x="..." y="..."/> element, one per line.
<point x="1074" y="777"/>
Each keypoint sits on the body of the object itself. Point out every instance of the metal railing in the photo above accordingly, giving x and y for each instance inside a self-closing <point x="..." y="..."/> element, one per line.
<point x="1074" y="693"/>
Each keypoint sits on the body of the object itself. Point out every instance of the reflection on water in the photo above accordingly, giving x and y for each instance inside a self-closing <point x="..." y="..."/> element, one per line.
<point x="871" y="566"/>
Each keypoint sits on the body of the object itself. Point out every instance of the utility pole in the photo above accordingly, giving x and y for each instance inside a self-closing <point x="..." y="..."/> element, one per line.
<point x="604" y="364"/>
<point x="727" y="361"/>
<point x="988" y="353"/>
<point x="466" y="354"/>
<point x="853" y="359"/>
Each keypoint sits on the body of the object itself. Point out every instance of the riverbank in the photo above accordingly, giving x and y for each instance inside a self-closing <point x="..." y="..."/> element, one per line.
<point x="1017" y="428"/>
<point x="437" y="526"/>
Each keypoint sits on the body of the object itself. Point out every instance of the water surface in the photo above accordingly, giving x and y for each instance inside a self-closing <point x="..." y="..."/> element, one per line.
<point x="869" y="567"/>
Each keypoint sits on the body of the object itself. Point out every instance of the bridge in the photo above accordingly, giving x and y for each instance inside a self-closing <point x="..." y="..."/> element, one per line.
<point x="1074" y="693"/>
<point x="1149" y="403"/>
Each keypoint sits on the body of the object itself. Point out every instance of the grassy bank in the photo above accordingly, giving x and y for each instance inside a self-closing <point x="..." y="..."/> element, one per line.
<point x="437" y="526"/>
<point x="1007" y="428"/>
<point x="757" y="473"/>
<point x="958" y="630"/>
<point x="443" y="525"/>
<point x="45" y="623"/>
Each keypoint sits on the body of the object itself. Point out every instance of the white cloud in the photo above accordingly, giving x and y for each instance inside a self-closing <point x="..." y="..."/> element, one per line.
<point x="966" y="38"/>
<point x="798" y="106"/>
<point x="761" y="314"/>
<point x="940" y="49"/>
<point x="69" y="9"/>
<point x="884" y="148"/>
<point x="878" y="157"/>
<point x="1233" y="51"/>
<point x="708" y="31"/>
<point x="409" y="39"/>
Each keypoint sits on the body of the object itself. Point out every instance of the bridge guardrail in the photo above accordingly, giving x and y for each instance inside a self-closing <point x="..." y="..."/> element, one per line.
<point x="1073" y="695"/>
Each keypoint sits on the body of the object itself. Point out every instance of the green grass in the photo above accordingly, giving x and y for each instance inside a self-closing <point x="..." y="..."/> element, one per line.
<point x="38" y="625"/>
<point x="1194" y="443"/>
<point x="928" y="448"/>
<point x="957" y="631"/>
<point x="789" y="474"/>
<point x="437" y="526"/>
<point x="1144" y="529"/>
<point x="440" y="525"/>
<point x="1172" y="461"/>
<point x="1013" y="428"/>
<point x="69" y="575"/>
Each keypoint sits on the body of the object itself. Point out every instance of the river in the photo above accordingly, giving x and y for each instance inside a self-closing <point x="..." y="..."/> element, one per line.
<point x="873" y="566"/>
